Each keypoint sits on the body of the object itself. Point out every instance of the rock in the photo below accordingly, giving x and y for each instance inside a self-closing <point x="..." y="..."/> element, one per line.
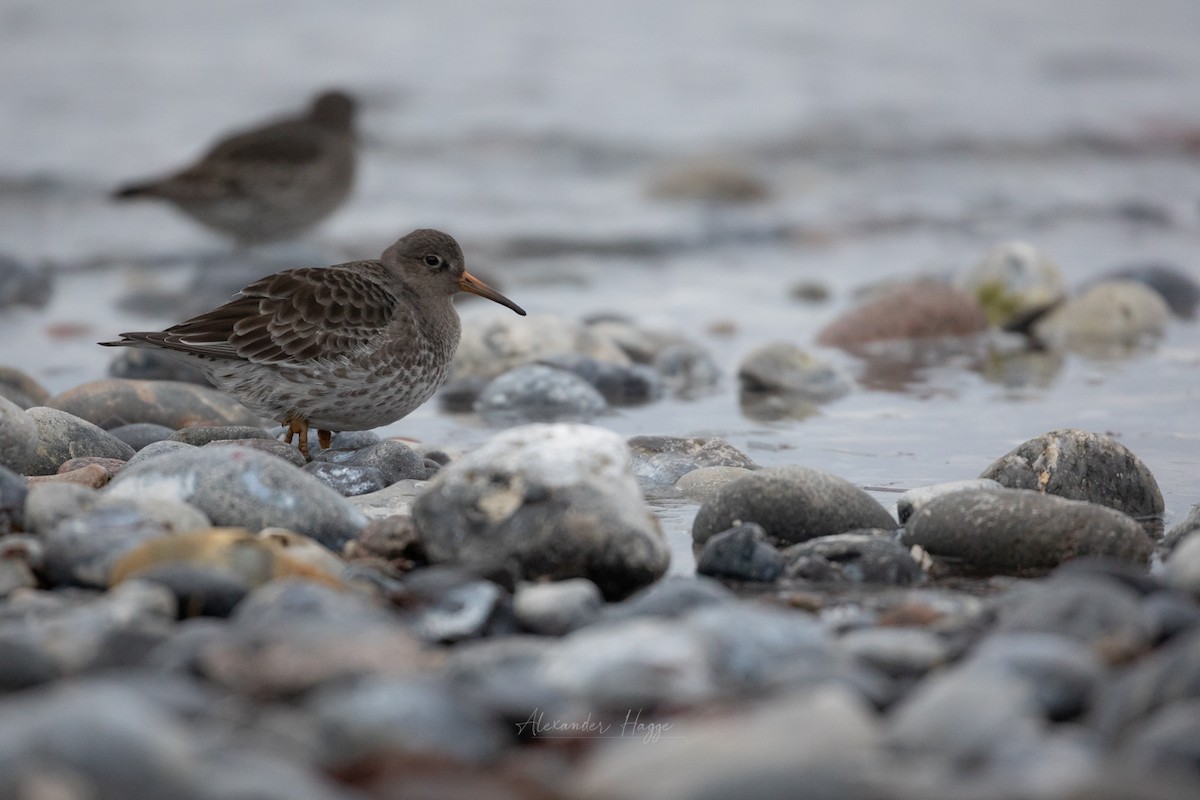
<point x="618" y="384"/>
<point x="702" y="484"/>
<point x="555" y="609"/>
<point x="1015" y="283"/>
<point x="537" y="393"/>
<point x="200" y="435"/>
<point x="741" y="553"/>
<point x="906" y="653"/>
<point x="20" y="555"/>
<point x="155" y="449"/>
<point x="1110" y="318"/>
<point x="792" y="504"/>
<point x="48" y="504"/>
<point x="639" y="344"/>
<point x="347" y="480"/>
<point x="784" y="368"/>
<point x="554" y="501"/>
<point x="63" y="436"/>
<point x="919" y="310"/>
<point x="139" y="434"/>
<point x="18" y="437"/>
<point x="395" y="500"/>
<point x="469" y="609"/>
<point x="663" y="460"/>
<point x="281" y="450"/>
<point x="394" y="460"/>
<point x="243" y="488"/>
<point x="1182" y="529"/>
<point x="1167" y="741"/>
<point x="1166" y="678"/>
<point x="1178" y="289"/>
<point x="492" y="344"/>
<point x="1080" y="465"/>
<point x="672" y="597"/>
<point x="914" y="499"/>
<point x="855" y="557"/>
<point x="1183" y="567"/>
<point x="21" y="285"/>
<point x="1019" y="531"/>
<point x="91" y="475"/>
<point x="21" y="389"/>
<point x="13" y="492"/>
<point x="117" y="401"/>
<point x="136" y="363"/>
<point x="1097" y="611"/>
<point x="1063" y="673"/>
<point x="688" y="370"/>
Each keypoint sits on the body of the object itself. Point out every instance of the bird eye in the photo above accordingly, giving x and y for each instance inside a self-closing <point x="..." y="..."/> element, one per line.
<point x="433" y="261"/>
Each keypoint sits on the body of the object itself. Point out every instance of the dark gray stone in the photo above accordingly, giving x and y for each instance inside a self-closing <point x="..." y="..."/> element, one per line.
<point x="743" y="554"/>
<point x="18" y="387"/>
<point x="662" y="460"/>
<point x="856" y="557"/>
<point x="240" y="487"/>
<point x="200" y="435"/>
<point x="1019" y="531"/>
<point x="688" y="370"/>
<point x="140" y="434"/>
<point x="63" y="436"/>
<point x="395" y="461"/>
<point x="619" y="384"/>
<point x="537" y="393"/>
<point x="18" y="437"/>
<point x="1167" y="678"/>
<point x="905" y="653"/>
<point x="1080" y="465"/>
<point x="116" y="401"/>
<point x="792" y="504"/>
<point x="673" y="596"/>
<point x="348" y="480"/>
<point x="557" y="608"/>
<point x="464" y="611"/>
<point x="784" y="368"/>
<point x="550" y="501"/>
<point x="13" y="492"/>
<point x="911" y="501"/>
<point x="1063" y="673"/>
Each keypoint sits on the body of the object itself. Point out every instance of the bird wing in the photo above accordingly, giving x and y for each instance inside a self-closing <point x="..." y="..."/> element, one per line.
<point x="327" y="313"/>
<point x="289" y="143"/>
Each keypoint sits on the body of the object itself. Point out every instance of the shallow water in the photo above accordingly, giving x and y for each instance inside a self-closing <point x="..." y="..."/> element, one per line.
<point x="895" y="139"/>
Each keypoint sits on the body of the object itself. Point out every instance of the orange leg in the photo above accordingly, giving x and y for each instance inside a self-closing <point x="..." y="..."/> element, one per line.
<point x="325" y="438"/>
<point x="298" y="427"/>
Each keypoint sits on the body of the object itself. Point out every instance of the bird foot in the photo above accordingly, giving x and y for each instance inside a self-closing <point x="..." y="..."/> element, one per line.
<point x="299" y="427"/>
<point x="324" y="438"/>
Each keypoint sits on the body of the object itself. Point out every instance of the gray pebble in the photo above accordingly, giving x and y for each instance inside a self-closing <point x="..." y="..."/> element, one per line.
<point x="63" y="436"/>
<point x="557" y="608"/>
<point x="18" y="437"/>
<point x="394" y="460"/>
<point x="140" y="434"/>
<point x="13" y="492"/>
<point x="348" y="480"/>
<point x="912" y="500"/>
<point x="537" y="393"/>
<point x="703" y="483"/>
<point x="741" y="553"/>
<point x="855" y="557"/>
<point x="663" y="460"/>
<point x="200" y="435"/>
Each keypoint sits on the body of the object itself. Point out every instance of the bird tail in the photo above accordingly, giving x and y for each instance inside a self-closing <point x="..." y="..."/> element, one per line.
<point x="147" y="189"/>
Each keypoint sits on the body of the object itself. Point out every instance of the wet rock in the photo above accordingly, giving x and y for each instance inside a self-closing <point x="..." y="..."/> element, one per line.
<point x="1181" y="530"/>
<point x="1081" y="465"/>
<point x="155" y="449"/>
<point x="346" y="479"/>
<point x="537" y="393"/>
<point x="1099" y="612"/>
<point x="741" y="553"/>
<point x="116" y="401"/>
<point x="21" y="285"/>
<point x="1183" y="566"/>
<point x="618" y="384"/>
<point x="688" y="370"/>
<point x="792" y="504"/>
<point x="735" y="752"/>
<point x="200" y="435"/>
<point x="283" y="450"/>
<point x="906" y="653"/>
<point x="663" y="460"/>
<point x="1166" y="678"/>
<point x="914" y="499"/>
<point x="784" y="368"/>
<point x="492" y="344"/>
<point x="21" y="389"/>
<point x="394" y="460"/>
<point x="555" y="609"/>
<point x="1019" y="531"/>
<point x="1063" y="673"/>
<point x="554" y="501"/>
<point x="1110" y="318"/>
<point x="920" y="310"/>
<point x="673" y="596"/>
<point x="13" y="492"/>
<point x="465" y="610"/>
<point x="63" y="436"/>
<point x="702" y="484"/>
<point x="855" y="557"/>
<point x="139" y="434"/>
<point x="18" y="437"/>
<point x="243" y="488"/>
<point x="424" y="715"/>
<point x="1178" y="289"/>
<point x="136" y="363"/>
<point x="1015" y="283"/>
<point x="394" y="500"/>
<point x="83" y="548"/>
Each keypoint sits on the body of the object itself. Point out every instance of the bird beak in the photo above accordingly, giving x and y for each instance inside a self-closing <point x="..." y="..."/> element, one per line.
<point x="469" y="283"/>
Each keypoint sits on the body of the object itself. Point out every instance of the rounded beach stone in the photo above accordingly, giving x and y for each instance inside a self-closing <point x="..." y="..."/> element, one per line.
<point x="140" y="434"/>
<point x="1019" y="531"/>
<point x="1114" y="315"/>
<point x="920" y="310"/>
<point x="117" y="401"/>
<point x="1183" y="567"/>
<point x="1081" y="465"/>
<point x="63" y="436"/>
<point x="244" y="488"/>
<point x="1015" y="282"/>
<point x="492" y="344"/>
<point x="857" y="557"/>
<point x="1176" y="287"/>
<point x="619" y="384"/>
<point x="395" y="461"/>
<point x="21" y="388"/>
<point x="13" y="491"/>
<point x="537" y="393"/>
<point x="663" y="460"/>
<point x="911" y="501"/>
<point x="792" y="504"/>
<point x="348" y="480"/>
<point x="201" y="435"/>
<point x="701" y="485"/>
<point x="555" y="609"/>
<point x="18" y="436"/>
<point x="784" y="368"/>
<point x="741" y="553"/>
<point x="554" y="501"/>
